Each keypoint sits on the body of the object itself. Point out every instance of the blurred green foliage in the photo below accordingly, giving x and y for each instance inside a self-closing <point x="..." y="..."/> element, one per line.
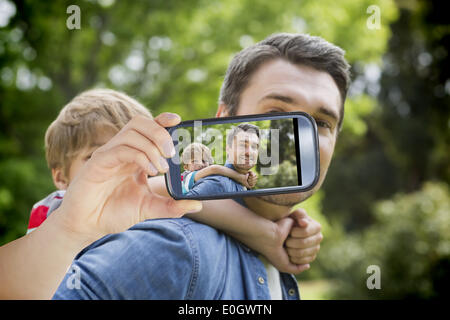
<point x="376" y="205"/>
<point x="410" y="242"/>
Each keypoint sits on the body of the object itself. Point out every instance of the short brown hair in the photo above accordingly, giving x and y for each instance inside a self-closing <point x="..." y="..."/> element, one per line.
<point x="247" y="127"/>
<point x="195" y="148"/>
<point x="79" y="122"/>
<point x="302" y="49"/>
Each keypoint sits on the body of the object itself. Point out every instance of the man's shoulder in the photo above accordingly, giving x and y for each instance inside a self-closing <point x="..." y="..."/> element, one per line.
<point x="154" y="259"/>
<point x="156" y="233"/>
<point x="182" y="224"/>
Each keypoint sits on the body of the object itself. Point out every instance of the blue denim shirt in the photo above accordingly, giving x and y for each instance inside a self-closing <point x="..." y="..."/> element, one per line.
<point x="216" y="184"/>
<point x="170" y="259"/>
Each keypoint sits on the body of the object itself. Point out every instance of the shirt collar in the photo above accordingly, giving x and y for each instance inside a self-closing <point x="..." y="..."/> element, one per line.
<point x="229" y="165"/>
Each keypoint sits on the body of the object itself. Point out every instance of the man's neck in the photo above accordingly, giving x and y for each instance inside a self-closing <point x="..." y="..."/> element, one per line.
<point x="266" y="209"/>
<point x="240" y="170"/>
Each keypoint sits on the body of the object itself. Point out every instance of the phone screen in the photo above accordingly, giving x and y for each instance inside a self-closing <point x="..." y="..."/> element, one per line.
<point x="236" y="157"/>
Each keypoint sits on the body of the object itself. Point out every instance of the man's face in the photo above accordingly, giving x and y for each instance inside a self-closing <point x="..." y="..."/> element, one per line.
<point x="279" y="86"/>
<point x="243" y="152"/>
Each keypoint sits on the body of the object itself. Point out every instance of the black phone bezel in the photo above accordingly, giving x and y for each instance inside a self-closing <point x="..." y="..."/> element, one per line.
<point x="250" y="193"/>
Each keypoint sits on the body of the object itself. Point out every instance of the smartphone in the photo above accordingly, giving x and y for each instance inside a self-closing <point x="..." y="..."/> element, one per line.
<point x="240" y="156"/>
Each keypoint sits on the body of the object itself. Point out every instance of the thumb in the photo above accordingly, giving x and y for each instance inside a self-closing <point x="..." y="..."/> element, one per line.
<point x="284" y="228"/>
<point x="301" y="217"/>
<point x="156" y="206"/>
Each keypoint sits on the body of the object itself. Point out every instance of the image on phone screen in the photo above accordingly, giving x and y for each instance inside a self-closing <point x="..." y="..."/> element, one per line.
<point x="236" y="157"/>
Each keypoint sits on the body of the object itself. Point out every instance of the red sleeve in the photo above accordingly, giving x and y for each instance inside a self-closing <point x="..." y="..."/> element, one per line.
<point x="37" y="216"/>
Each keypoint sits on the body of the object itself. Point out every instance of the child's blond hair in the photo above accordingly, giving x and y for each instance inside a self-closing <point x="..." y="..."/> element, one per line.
<point x="80" y="121"/>
<point x="193" y="151"/>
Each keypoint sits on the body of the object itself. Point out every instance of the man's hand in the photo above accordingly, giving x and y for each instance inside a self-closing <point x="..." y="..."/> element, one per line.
<point x="303" y="242"/>
<point x="110" y="193"/>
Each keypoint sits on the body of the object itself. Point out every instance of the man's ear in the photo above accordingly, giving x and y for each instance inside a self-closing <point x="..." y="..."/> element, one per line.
<point x="222" y="111"/>
<point x="59" y="179"/>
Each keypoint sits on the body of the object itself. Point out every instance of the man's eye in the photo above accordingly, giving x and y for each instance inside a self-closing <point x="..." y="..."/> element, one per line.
<point x="87" y="157"/>
<point x="323" y="124"/>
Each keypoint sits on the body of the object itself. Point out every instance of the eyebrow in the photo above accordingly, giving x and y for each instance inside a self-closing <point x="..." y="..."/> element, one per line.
<point x="323" y="110"/>
<point x="329" y="113"/>
<point x="275" y="96"/>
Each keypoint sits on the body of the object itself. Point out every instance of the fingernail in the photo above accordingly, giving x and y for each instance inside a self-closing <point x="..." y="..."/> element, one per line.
<point x="163" y="164"/>
<point x="171" y="116"/>
<point x="152" y="168"/>
<point x="168" y="148"/>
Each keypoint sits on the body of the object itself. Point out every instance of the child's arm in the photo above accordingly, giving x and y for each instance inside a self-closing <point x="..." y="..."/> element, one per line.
<point x="223" y="171"/>
<point x="258" y="233"/>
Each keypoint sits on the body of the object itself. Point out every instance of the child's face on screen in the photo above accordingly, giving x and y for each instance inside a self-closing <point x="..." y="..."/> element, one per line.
<point x="196" y="164"/>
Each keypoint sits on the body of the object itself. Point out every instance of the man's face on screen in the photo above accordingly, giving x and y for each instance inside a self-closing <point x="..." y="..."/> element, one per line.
<point x="243" y="152"/>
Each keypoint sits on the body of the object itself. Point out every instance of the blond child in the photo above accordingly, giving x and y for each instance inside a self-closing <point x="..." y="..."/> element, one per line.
<point x="87" y="122"/>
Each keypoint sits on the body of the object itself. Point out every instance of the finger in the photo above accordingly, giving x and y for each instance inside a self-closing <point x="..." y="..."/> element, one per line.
<point x="303" y="223"/>
<point x="300" y="268"/>
<point x="136" y="140"/>
<point x="156" y="206"/>
<point x="300" y="253"/>
<point x="293" y="268"/>
<point x="168" y="119"/>
<point x="303" y="260"/>
<point x="302" y="243"/>
<point x="303" y="232"/>
<point x="153" y="131"/>
<point x="103" y="162"/>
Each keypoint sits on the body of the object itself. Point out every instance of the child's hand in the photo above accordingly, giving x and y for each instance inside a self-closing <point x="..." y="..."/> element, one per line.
<point x="304" y="239"/>
<point x="295" y="243"/>
<point x="252" y="179"/>
<point x="110" y="193"/>
<point x="243" y="179"/>
<point x="274" y="250"/>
